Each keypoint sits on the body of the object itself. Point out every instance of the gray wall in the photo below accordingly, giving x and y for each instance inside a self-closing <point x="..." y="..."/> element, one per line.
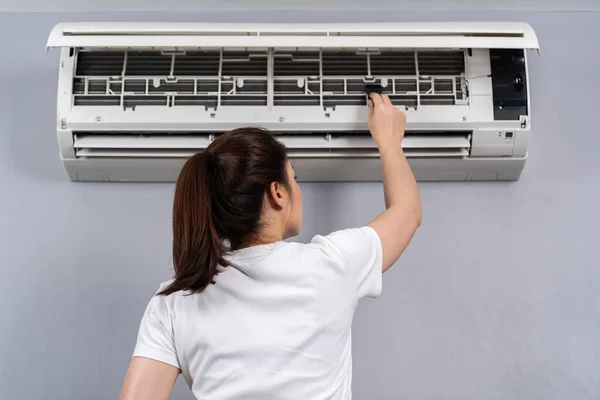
<point x="497" y="297"/>
<point x="304" y="5"/>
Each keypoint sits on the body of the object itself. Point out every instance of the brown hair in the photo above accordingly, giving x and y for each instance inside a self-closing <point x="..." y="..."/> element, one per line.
<point x="219" y="196"/>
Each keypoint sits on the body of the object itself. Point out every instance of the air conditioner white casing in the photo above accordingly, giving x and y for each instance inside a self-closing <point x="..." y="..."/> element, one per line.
<point x="135" y="100"/>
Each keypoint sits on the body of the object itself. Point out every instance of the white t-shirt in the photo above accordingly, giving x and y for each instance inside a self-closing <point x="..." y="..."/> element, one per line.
<point x="274" y="326"/>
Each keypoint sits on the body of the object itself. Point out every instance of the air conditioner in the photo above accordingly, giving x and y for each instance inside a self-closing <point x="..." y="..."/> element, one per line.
<point x="136" y="99"/>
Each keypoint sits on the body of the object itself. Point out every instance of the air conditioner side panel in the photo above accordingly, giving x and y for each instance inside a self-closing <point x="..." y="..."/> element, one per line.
<point x="64" y="101"/>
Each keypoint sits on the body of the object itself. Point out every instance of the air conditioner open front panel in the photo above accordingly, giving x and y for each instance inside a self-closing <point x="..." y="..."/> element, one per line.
<point x="201" y="35"/>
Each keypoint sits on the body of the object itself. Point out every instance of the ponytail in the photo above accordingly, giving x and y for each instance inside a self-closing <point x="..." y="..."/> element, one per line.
<point x="219" y="196"/>
<point x="197" y="248"/>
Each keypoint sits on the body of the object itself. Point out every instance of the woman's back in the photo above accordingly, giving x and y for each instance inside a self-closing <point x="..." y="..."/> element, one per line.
<point x="275" y="325"/>
<point x="247" y="315"/>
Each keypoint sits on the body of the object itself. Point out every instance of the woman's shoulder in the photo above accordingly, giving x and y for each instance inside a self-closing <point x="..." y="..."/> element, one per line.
<point x="345" y="238"/>
<point x="336" y="244"/>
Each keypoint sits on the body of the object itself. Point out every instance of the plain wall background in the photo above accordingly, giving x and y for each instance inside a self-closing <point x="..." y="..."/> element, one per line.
<point x="496" y="298"/>
<point x="304" y="5"/>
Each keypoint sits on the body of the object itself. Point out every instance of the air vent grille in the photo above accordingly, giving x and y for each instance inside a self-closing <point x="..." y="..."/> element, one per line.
<point x="441" y="62"/>
<point x="325" y="78"/>
<point x="197" y="63"/>
<point x="299" y="144"/>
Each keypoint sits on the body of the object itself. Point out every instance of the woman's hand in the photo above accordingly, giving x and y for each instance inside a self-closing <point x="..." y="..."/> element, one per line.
<point x="386" y="122"/>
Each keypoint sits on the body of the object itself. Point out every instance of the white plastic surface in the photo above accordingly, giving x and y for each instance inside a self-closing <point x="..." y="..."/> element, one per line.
<point x="307" y="169"/>
<point x="315" y="141"/>
<point x="368" y="35"/>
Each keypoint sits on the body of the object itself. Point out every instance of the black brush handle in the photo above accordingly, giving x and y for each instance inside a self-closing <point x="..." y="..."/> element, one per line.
<point x="373" y="88"/>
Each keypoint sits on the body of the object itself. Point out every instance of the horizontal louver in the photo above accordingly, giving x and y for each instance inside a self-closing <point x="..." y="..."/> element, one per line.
<point x="182" y="145"/>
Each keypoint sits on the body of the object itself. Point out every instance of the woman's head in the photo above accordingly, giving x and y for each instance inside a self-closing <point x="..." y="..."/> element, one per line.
<point x="241" y="189"/>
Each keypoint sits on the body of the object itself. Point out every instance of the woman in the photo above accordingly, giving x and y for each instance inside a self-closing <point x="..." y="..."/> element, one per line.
<point x="247" y="315"/>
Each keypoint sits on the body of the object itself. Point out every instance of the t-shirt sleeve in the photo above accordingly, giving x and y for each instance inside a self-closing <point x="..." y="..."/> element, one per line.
<point x="361" y="254"/>
<point x="155" y="337"/>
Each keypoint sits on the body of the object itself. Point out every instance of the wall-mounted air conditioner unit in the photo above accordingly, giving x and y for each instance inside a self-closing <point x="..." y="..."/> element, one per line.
<point x="136" y="99"/>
